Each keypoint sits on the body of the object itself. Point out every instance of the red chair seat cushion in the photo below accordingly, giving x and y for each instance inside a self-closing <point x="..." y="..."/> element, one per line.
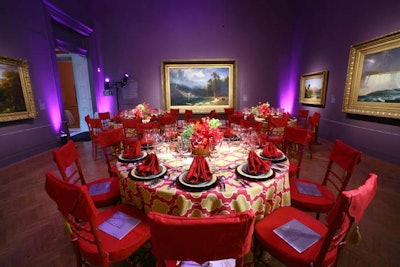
<point x="278" y="247"/>
<point x="109" y="198"/>
<point x="118" y="249"/>
<point x="308" y="202"/>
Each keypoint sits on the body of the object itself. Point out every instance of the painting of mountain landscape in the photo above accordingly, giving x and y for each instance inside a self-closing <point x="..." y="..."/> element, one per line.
<point x="199" y="86"/>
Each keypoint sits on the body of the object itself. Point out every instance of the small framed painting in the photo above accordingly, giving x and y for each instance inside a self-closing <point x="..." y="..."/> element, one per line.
<point x="313" y="88"/>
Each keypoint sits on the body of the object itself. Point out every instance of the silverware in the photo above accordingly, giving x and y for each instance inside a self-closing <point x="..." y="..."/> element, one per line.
<point x="243" y="182"/>
<point x="173" y="181"/>
<point x="222" y="180"/>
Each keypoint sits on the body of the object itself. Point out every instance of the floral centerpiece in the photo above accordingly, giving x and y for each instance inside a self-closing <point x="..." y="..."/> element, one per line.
<point x="262" y="110"/>
<point x="142" y="110"/>
<point x="202" y="133"/>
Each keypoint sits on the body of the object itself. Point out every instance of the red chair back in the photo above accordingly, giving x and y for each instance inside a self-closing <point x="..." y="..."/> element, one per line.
<point x="347" y="158"/>
<point x="229" y="111"/>
<point x="235" y="118"/>
<point x="302" y="117"/>
<point x="174" y="111"/>
<point x="256" y="125"/>
<point x="201" y="239"/>
<point x="112" y="143"/>
<point x="349" y="209"/>
<point x="188" y="114"/>
<point x="294" y="142"/>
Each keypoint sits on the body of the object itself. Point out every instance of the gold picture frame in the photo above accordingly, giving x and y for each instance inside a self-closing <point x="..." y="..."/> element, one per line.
<point x="313" y="88"/>
<point x="373" y="78"/>
<point x="16" y="96"/>
<point x="199" y="85"/>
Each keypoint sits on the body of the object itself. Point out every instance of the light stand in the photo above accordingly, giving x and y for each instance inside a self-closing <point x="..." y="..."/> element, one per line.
<point x="108" y="91"/>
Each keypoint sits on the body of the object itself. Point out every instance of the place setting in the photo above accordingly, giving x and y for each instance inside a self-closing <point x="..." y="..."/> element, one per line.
<point x="272" y="153"/>
<point x="132" y="153"/>
<point x="255" y="169"/>
<point x="148" y="170"/>
<point x="199" y="176"/>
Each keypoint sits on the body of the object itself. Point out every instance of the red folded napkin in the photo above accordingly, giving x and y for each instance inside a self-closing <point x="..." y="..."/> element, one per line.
<point x="270" y="151"/>
<point x="199" y="171"/>
<point x="145" y="142"/>
<point x="134" y="150"/>
<point x="149" y="166"/>
<point x="228" y="132"/>
<point x="255" y="165"/>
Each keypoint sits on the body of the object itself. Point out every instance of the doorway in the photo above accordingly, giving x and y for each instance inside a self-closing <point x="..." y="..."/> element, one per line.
<point x="75" y="86"/>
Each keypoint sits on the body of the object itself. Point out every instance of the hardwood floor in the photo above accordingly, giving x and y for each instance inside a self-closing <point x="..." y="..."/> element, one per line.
<point x="31" y="231"/>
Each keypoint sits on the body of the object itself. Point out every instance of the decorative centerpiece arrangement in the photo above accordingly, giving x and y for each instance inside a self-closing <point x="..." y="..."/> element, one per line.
<point x="143" y="111"/>
<point x="262" y="110"/>
<point x="203" y="134"/>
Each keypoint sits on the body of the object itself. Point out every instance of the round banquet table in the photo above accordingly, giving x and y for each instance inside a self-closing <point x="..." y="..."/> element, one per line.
<point x="262" y="197"/>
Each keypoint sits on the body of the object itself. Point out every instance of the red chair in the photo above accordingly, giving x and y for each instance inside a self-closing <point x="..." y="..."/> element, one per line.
<point x="129" y="126"/>
<point x="104" y="191"/>
<point x="174" y="112"/>
<point x="140" y="127"/>
<point x="312" y="127"/>
<point x="213" y="114"/>
<point x="95" y="126"/>
<point x="82" y="221"/>
<point x="348" y="209"/>
<point x="256" y="125"/>
<point x="275" y="130"/>
<point x="166" y="120"/>
<point x="235" y="118"/>
<point x="342" y="163"/>
<point x="294" y="143"/>
<point x="200" y="239"/>
<point x="302" y="117"/>
<point x="112" y="143"/>
<point x="105" y="118"/>
<point x="188" y="114"/>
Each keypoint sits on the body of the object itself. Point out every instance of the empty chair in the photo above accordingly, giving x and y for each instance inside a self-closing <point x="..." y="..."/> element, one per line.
<point x="235" y="118"/>
<point x="200" y="239"/>
<point x="188" y="114"/>
<point x="213" y="114"/>
<point x="174" y="112"/>
<point x="91" y="243"/>
<point x="166" y="120"/>
<point x="105" y="118"/>
<point x="312" y="127"/>
<point x="104" y="191"/>
<point x="112" y="143"/>
<point x="302" y="117"/>
<point x="329" y="239"/>
<point x="275" y="129"/>
<point x="140" y="127"/>
<point x="294" y="143"/>
<point x="95" y="126"/>
<point x="129" y="126"/>
<point x="314" y="197"/>
<point x="255" y="125"/>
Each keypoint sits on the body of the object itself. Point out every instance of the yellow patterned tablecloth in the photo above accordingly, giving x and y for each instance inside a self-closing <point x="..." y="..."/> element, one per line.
<point x="260" y="196"/>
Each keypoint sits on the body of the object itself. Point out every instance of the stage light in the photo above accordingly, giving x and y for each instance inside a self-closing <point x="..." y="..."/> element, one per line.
<point x="124" y="81"/>
<point x="107" y="84"/>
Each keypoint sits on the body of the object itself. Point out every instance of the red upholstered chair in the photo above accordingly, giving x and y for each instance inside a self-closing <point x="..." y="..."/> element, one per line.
<point x="105" y="118"/>
<point x="95" y="126"/>
<point x="348" y="209"/>
<point x="275" y="130"/>
<point x="188" y="114"/>
<point x="174" y="112"/>
<point x="302" y="117"/>
<point x="140" y="127"/>
<point x="342" y="163"/>
<point x="312" y="127"/>
<point x="129" y="126"/>
<point x="235" y="118"/>
<point x="294" y="143"/>
<point x="200" y="239"/>
<point x="104" y="191"/>
<point x="213" y="114"/>
<point x="166" y="120"/>
<point x="112" y="143"/>
<point x="256" y="125"/>
<point x="82" y="221"/>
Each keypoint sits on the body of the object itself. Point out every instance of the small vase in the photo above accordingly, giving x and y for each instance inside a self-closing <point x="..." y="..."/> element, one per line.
<point x="200" y="151"/>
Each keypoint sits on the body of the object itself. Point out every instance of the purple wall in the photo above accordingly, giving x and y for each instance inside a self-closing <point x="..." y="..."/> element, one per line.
<point x="273" y="42"/>
<point x="326" y="30"/>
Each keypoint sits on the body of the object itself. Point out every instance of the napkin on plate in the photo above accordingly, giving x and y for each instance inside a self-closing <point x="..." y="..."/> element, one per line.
<point x="134" y="150"/>
<point x="255" y="165"/>
<point x="149" y="166"/>
<point x="199" y="171"/>
<point x="228" y="132"/>
<point x="270" y="151"/>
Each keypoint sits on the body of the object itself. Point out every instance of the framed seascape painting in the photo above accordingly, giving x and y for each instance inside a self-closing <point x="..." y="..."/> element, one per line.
<point x="373" y="78"/>
<point x="16" y="97"/>
<point x="313" y="88"/>
<point x="199" y="85"/>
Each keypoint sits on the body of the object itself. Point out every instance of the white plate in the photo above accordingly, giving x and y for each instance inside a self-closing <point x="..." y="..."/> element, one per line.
<point x="242" y="170"/>
<point x="121" y="158"/>
<point x="136" y="176"/>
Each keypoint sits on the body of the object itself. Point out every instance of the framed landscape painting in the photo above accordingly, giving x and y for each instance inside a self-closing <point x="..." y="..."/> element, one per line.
<point x="373" y="78"/>
<point x="199" y="85"/>
<point x="313" y="88"/>
<point x="16" y="97"/>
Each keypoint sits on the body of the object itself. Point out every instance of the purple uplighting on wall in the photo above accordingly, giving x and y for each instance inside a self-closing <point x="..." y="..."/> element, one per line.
<point x="103" y="103"/>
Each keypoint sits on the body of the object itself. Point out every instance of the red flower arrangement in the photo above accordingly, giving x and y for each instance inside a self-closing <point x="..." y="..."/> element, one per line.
<point x="202" y="131"/>
<point x="262" y="110"/>
<point x="142" y="110"/>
